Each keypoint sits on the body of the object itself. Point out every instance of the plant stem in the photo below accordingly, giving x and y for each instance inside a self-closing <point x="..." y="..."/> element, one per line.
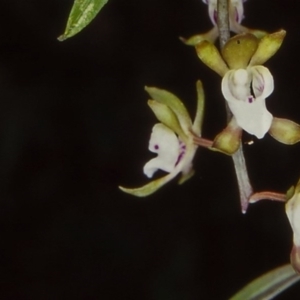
<point x="202" y="142"/>
<point x="267" y="195"/>
<point x="245" y="188"/>
<point x="223" y="22"/>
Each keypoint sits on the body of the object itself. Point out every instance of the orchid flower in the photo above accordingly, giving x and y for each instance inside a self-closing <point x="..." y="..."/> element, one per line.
<point x="245" y="86"/>
<point x="171" y="139"/>
<point x="292" y="209"/>
<point x="236" y="15"/>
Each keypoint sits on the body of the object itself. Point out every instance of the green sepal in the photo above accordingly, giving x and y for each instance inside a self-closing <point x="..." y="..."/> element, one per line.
<point x="82" y="13"/>
<point x="238" y="51"/>
<point x="210" y="36"/>
<point x="149" y="188"/>
<point x="167" y="116"/>
<point x="294" y="189"/>
<point x="290" y="193"/>
<point x="258" y="33"/>
<point x="228" y="141"/>
<point x="174" y="103"/>
<point x="267" y="47"/>
<point x="198" y="121"/>
<point x="285" y="131"/>
<point x="210" y="55"/>
<point x="184" y="177"/>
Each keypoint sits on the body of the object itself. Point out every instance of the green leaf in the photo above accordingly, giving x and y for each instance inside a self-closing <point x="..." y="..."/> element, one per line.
<point x="82" y="13"/>
<point x="268" y="285"/>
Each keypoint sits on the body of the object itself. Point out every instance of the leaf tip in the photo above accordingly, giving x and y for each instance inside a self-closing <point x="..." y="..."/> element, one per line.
<point x="62" y="38"/>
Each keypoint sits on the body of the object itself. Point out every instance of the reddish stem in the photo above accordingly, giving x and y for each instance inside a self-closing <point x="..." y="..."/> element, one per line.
<point x="267" y="195"/>
<point x="199" y="141"/>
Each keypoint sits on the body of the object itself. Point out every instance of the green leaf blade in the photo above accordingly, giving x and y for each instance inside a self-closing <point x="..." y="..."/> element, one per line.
<point x="82" y="13"/>
<point x="268" y="285"/>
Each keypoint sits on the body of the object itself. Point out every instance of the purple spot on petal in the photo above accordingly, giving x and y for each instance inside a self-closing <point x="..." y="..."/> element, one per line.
<point x="179" y="158"/>
<point x="156" y="147"/>
<point x="237" y="17"/>
<point x="250" y="99"/>
<point x="181" y="153"/>
<point x="215" y="16"/>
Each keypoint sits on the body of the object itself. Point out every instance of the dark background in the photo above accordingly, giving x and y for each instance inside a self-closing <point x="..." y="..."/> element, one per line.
<point x="74" y="125"/>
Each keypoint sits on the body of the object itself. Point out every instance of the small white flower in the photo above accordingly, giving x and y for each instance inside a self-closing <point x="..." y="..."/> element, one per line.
<point x="245" y="85"/>
<point x="172" y="139"/>
<point x="249" y="108"/>
<point x="165" y="143"/>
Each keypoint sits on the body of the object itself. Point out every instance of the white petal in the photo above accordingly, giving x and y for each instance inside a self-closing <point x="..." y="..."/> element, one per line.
<point x="236" y="85"/>
<point x="212" y="11"/>
<point x="262" y="81"/>
<point x="251" y="113"/>
<point x="165" y="143"/>
<point x="226" y="87"/>
<point x="238" y="9"/>
<point x="253" y="116"/>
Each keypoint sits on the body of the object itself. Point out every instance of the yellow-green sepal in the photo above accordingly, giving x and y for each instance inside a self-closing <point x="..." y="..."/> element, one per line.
<point x="82" y="13"/>
<point x="238" y="51"/>
<point x="228" y="141"/>
<point x="210" y="55"/>
<point x="293" y="190"/>
<point x="167" y="116"/>
<point x="174" y="103"/>
<point x="258" y="33"/>
<point x="198" y="121"/>
<point x="267" y="47"/>
<point x="290" y="193"/>
<point x="210" y="36"/>
<point x="285" y="131"/>
<point x="184" y="177"/>
<point x="148" y="188"/>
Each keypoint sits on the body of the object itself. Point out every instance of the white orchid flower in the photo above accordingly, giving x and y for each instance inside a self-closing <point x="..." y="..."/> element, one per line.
<point x="245" y="86"/>
<point x="172" y="139"/>
<point x="249" y="110"/>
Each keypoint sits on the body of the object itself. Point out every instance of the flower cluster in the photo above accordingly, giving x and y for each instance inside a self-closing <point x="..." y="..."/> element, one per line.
<point x="246" y="84"/>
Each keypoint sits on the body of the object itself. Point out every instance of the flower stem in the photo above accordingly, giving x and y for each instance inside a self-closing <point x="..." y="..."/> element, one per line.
<point x="223" y="22"/>
<point x="267" y="196"/>
<point x="199" y="141"/>
<point x="245" y="188"/>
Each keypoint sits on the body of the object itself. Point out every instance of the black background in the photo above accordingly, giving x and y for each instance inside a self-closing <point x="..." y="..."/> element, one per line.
<point x="74" y="124"/>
